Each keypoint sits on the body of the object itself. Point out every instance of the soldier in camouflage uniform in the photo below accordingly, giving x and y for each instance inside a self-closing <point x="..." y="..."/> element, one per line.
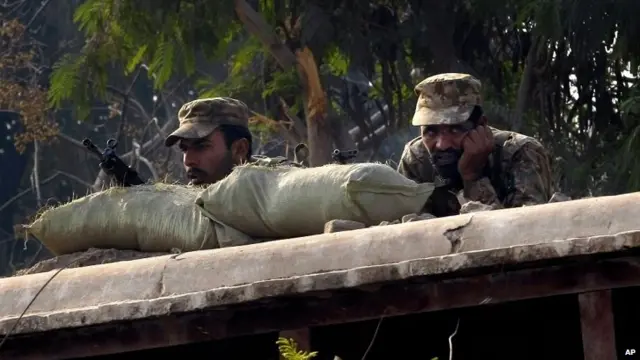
<point x="214" y="137"/>
<point x="474" y="166"/>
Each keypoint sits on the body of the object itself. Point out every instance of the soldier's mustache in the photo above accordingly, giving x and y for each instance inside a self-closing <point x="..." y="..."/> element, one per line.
<point x="193" y="173"/>
<point x="445" y="158"/>
<point x="446" y="163"/>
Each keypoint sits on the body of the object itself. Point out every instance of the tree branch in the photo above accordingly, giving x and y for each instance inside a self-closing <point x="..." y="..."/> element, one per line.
<point x="145" y="148"/>
<point x="102" y="176"/>
<point x="318" y="132"/>
<point x="257" y="26"/>
<point x="43" y="182"/>
<point x="139" y="158"/>
<point x="35" y="15"/>
<point x="524" y="90"/>
<point x="148" y="145"/>
<point x="35" y="175"/>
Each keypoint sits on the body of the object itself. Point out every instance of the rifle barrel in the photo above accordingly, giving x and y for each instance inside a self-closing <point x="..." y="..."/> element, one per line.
<point x="342" y="156"/>
<point x="92" y="147"/>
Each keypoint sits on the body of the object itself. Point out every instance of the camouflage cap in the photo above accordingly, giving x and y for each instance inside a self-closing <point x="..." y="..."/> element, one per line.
<point x="446" y="99"/>
<point x="199" y="118"/>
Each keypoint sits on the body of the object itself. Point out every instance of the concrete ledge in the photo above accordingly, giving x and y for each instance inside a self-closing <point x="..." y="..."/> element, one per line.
<point x="200" y="280"/>
<point x="509" y="274"/>
<point x="152" y="285"/>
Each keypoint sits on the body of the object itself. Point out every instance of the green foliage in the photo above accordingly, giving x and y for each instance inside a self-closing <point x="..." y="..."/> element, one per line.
<point x="132" y="33"/>
<point x="285" y="83"/>
<point x="244" y="57"/>
<point x="288" y="348"/>
<point x="66" y="83"/>
<point x="580" y="51"/>
<point x="336" y="61"/>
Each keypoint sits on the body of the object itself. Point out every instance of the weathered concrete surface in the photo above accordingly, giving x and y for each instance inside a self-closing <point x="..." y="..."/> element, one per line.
<point x="86" y="258"/>
<point x="215" y="278"/>
<point x="556" y="221"/>
<point x="200" y="280"/>
<point x="150" y="286"/>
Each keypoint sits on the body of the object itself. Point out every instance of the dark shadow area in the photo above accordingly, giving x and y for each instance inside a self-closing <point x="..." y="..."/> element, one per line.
<point x="534" y="329"/>
<point x="626" y="307"/>
<point x="546" y="328"/>
<point x="258" y="347"/>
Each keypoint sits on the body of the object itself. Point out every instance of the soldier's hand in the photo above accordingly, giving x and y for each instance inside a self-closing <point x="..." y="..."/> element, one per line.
<point x="477" y="145"/>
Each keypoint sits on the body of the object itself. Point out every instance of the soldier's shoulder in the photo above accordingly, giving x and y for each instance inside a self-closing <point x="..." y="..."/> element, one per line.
<point x="512" y="142"/>
<point x="414" y="151"/>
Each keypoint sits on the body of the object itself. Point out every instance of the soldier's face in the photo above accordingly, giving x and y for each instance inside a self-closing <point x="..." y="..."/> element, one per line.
<point x="443" y="137"/>
<point x="206" y="160"/>
<point x="445" y="146"/>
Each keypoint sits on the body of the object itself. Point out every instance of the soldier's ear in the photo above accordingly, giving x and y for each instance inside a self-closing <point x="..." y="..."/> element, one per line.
<point x="239" y="150"/>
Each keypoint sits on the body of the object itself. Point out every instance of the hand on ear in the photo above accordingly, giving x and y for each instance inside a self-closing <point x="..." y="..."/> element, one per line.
<point x="477" y="145"/>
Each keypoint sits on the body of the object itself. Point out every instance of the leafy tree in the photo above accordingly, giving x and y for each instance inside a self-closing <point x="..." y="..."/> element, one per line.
<point x="20" y="91"/>
<point x="283" y="77"/>
<point x="23" y="106"/>
<point x="40" y="149"/>
<point x="550" y="68"/>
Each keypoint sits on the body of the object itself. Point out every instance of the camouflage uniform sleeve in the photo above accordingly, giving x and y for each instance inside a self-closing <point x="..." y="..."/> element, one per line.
<point x="532" y="181"/>
<point x="481" y="191"/>
<point x="405" y="167"/>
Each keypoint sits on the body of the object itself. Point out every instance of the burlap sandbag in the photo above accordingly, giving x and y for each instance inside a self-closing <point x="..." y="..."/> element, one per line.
<point x="282" y="202"/>
<point x="149" y="218"/>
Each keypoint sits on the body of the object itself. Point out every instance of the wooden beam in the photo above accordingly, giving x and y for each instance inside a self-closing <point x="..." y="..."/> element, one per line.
<point x="323" y="308"/>
<point x="596" y="319"/>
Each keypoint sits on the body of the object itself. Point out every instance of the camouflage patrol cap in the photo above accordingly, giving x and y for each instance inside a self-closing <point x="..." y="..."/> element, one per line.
<point x="446" y="99"/>
<point x="199" y="118"/>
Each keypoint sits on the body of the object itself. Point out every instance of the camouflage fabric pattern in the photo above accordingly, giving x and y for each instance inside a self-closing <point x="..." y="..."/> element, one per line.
<point x="523" y="160"/>
<point x="199" y="118"/>
<point x="446" y="99"/>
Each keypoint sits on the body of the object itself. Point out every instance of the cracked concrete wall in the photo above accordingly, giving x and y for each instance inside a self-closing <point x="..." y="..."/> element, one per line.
<point x="532" y="224"/>
<point x="201" y="279"/>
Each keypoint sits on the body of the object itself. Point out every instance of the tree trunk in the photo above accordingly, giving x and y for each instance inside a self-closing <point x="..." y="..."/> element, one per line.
<point x="524" y="90"/>
<point x="439" y="17"/>
<point x="319" y="132"/>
